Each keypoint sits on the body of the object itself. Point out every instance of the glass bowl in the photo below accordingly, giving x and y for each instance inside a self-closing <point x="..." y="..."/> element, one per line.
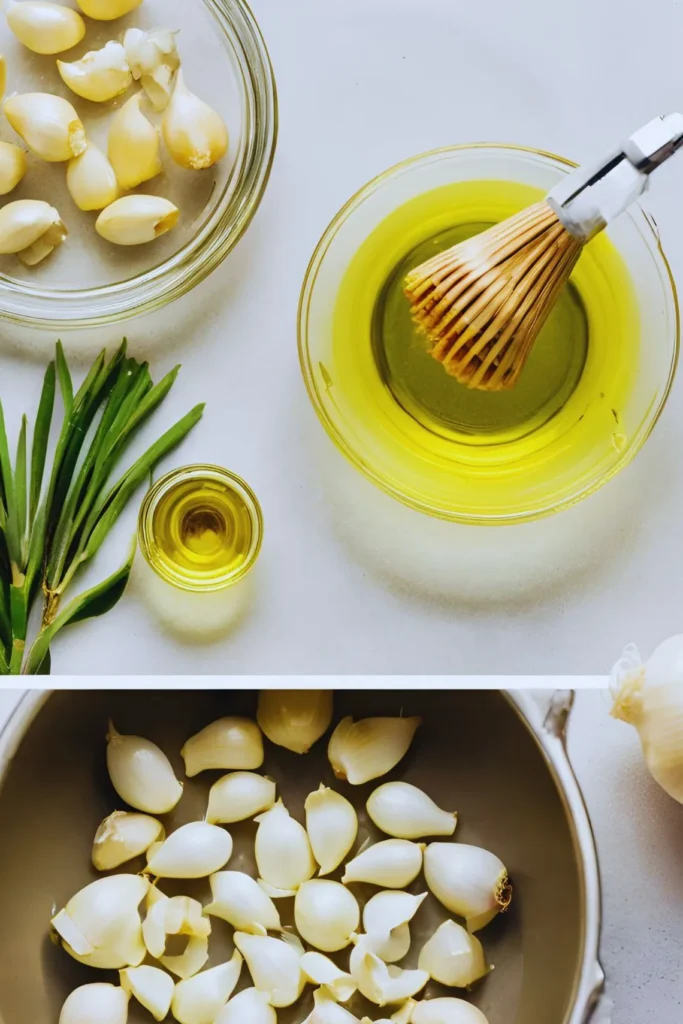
<point x="87" y="281"/>
<point x="484" y="480"/>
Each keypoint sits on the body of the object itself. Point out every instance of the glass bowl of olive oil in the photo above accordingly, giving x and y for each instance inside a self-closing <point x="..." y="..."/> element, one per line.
<point x="589" y="396"/>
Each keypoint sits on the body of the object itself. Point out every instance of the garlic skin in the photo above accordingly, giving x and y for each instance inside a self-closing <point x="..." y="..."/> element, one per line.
<point x="453" y="956"/>
<point x="382" y="983"/>
<point x="365" y="750"/>
<point x="241" y="901"/>
<point x="31" y="229"/>
<point x="122" y="837"/>
<point x="133" y="146"/>
<point x="100" y="75"/>
<point x="238" y="796"/>
<point x="91" y="180"/>
<point x="95" y="1004"/>
<point x="192" y="851"/>
<point x="151" y="987"/>
<point x="469" y="881"/>
<point x="328" y="1011"/>
<point x="393" y="864"/>
<point x="177" y="915"/>
<point x="195" y="135"/>
<point x="107" y="10"/>
<point x="48" y="124"/>
<point x="248" y="1007"/>
<point x="320" y="970"/>
<point x="386" y="918"/>
<point x="332" y="826"/>
<point x="198" y="1000"/>
<point x="283" y="852"/>
<point x="228" y="743"/>
<point x="295" y="719"/>
<point x="326" y="914"/>
<point x="136" y="220"/>
<point x="153" y="59"/>
<point x="141" y="773"/>
<point x="44" y="27"/>
<point x="13" y="166"/>
<point x="446" y="1010"/>
<point x="406" y="812"/>
<point x="100" y="926"/>
<point x="274" y="965"/>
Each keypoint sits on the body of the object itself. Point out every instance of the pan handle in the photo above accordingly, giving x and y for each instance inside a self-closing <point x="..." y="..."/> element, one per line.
<point x="557" y="715"/>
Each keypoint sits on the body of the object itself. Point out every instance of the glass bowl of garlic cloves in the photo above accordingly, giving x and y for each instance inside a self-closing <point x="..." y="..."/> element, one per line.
<point x="137" y="140"/>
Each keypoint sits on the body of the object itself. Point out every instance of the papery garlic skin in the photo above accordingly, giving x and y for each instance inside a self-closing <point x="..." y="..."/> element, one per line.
<point x="45" y="28"/>
<point x="274" y="965"/>
<point x="393" y="864"/>
<point x="195" y="135"/>
<point x="199" y="1000"/>
<point x="95" y="1004"/>
<point x="100" y="926"/>
<point x="382" y="983"/>
<point x="177" y="915"/>
<point x="320" y="970"/>
<point x="238" y="796"/>
<point x="195" y="850"/>
<point x="248" y="1007"/>
<point x="136" y="220"/>
<point x="365" y="750"/>
<point x="283" y="852"/>
<point x="386" y="918"/>
<point x="122" y="837"/>
<point x="406" y="812"/>
<point x="332" y="826"/>
<point x="229" y="743"/>
<point x="13" y="166"/>
<point x="107" y="10"/>
<point x="153" y="59"/>
<point x="91" y="180"/>
<point x="326" y="914"/>
<point x="295" y="719"/>
<point x="241" y="901"/>
<point x="328" y="1011"/>
<point x="133" y="146"/>
<point x="446" y="1010"/>
<point x="453" y="956"/>
<point x="151" y="987"/>
<point x="100" y="75"/>
<point x="141" y="773"/>
<point x="469" y="881"/>
<point x="31" y="229"/>
<point x="49" y="125"/>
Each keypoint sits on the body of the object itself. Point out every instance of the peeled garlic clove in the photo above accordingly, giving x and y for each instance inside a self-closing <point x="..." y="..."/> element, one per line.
<point x="453" y="956"/>
<point x="361" y="751"/>
<point x="320" y="970"/>
<point x="48" y="124"/>
<point x="326" y="914"/>
<point x="98" y="76"/>
<point x="469" y="881"/>
<point x="135" y="220"/>
<point x="153" y="59"/>
<point x="31" y="229"/>
<point x="107" y="10"/>
<point x="133" y="146"/>
<point x="283" y="853"/>
<point x="382" y="983"/>
<point x="195" y="135"/>
<point x="295" y="719"/>
<point x="141" y="773"/>
<point x="3" y="76"/>
<point x="393" y="864"/>
<point x="91" y="180"/>
<point x="198" y="1000"/>
<point x="386" y="918"/>
<point x="238" y="796"/>
<point x="274" y="965"/>
<point x="403" y="1015"/>
<point x="100" y="925"/>
<point x="407" y="812"/>
<point x="192" y="851"/>
<point x="152" y="988"/>
<point x="446" y="1011"/>
<point x="44" y="27"/>
<point x="228" y="743"/>
<point x="241" y="901"/>
<point x="248" y="1007"/>
<point x="328" y="1011"/>
<point x="12" y="166"/>
<point x="123" y="836"/>
<point x="178" y="915"/>
<point x="95" y="1004"/>
<point x="332" y="826"/>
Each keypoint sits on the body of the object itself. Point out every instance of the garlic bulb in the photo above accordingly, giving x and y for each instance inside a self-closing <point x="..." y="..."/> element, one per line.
<point x="248" y="1007"/>
<point x="195" y="135"/>
<point x="393" y="864"/>
<point x="95" y="1004"/>
<point x="44" y="27"/>
<point x="107" y="10"/>
<point x="332" y="826"/>
<point x="328" y="1011"/>
<point x="241" y="901"/>
<point x="453" y="957"/>
<point x="48" y="124"/>
<point x="141" y="773"/>
<point x="228" y="743"/>
<point x="326" y="914"/>
<point x="177" y="915"/>
<point x="406" y="812"/>
<point x="137" y="219"/>
<point x="153" y="59"/>
<point x="320" y="970"/>
<point x="12" y="166"/>
<point x="192" y="851"/>
<point x="198" y="1000"/>
<point x="283" y="853"/>
<point x="30" y="228"/>
<point x="152" y="988"/>
<point x="100" y="75"/>
<point x="469" y="881"/>
<point x="91" y="180"/>
<point x="123" y="836"/>
<point x="386" y="918"/>
<point x="133" y="146"/>
<point x="295" y="719"/>
<point x="275" y="966"/>
<point x="379" y="982"/>
<point x="361" y="751"/>
<point x="238" y="796"/>
<point x="100" y="926"/>
<point x="446" y="1011"/>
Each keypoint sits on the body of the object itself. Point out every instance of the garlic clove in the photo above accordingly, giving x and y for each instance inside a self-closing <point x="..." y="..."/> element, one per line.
<point x="3" y="76"/>
<point x="123" y="836"/>
<point x="136" y="220"/>
<point x="320" y="970"/>
<point x="195" y="135"/>
<point x="403" y="1015"/>
<point x="192" y="851"/>
<point x="95" y="1004"/>
<point x="100" y="926"/>
<point x="453" y="957"/>
<point x="198" y="1000"/>
<point x="406" y="812"/>
<point x="152" y="988"/>
<point x="49" y="125"/>
<point x="13" y="166"/>
<point x="91" y="180"/>
<point x="365" y="750"/>
<point x="275" y="966"/>
<point x="238" y="796"/>
<point x="326" y="914"/>
<point x="248" y="1007"/>
<point x="295" y="719"/>
<point x="133" y="145"/>
<point x="107" y="10"/>
<point x="30" y="228"/>
<point x="100" y="75"/>
<point x="141" y="773"/>
<point x="332" y="826"/>
<point x="446" y="1010"/>
<point x="469" y="881"/>
<point x="328" y="1011"/>
<point x="382" y="983"/>
<point x="44" y="27"/>
<point x="386" y="918"/>
<point x="153" y="59"/>
<point x="231" y="742"/>
<point x="242" y="902"/>
<point x="177" y="915"/>
<point x="283" y="852"/>
<point x="393" y="864"/>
